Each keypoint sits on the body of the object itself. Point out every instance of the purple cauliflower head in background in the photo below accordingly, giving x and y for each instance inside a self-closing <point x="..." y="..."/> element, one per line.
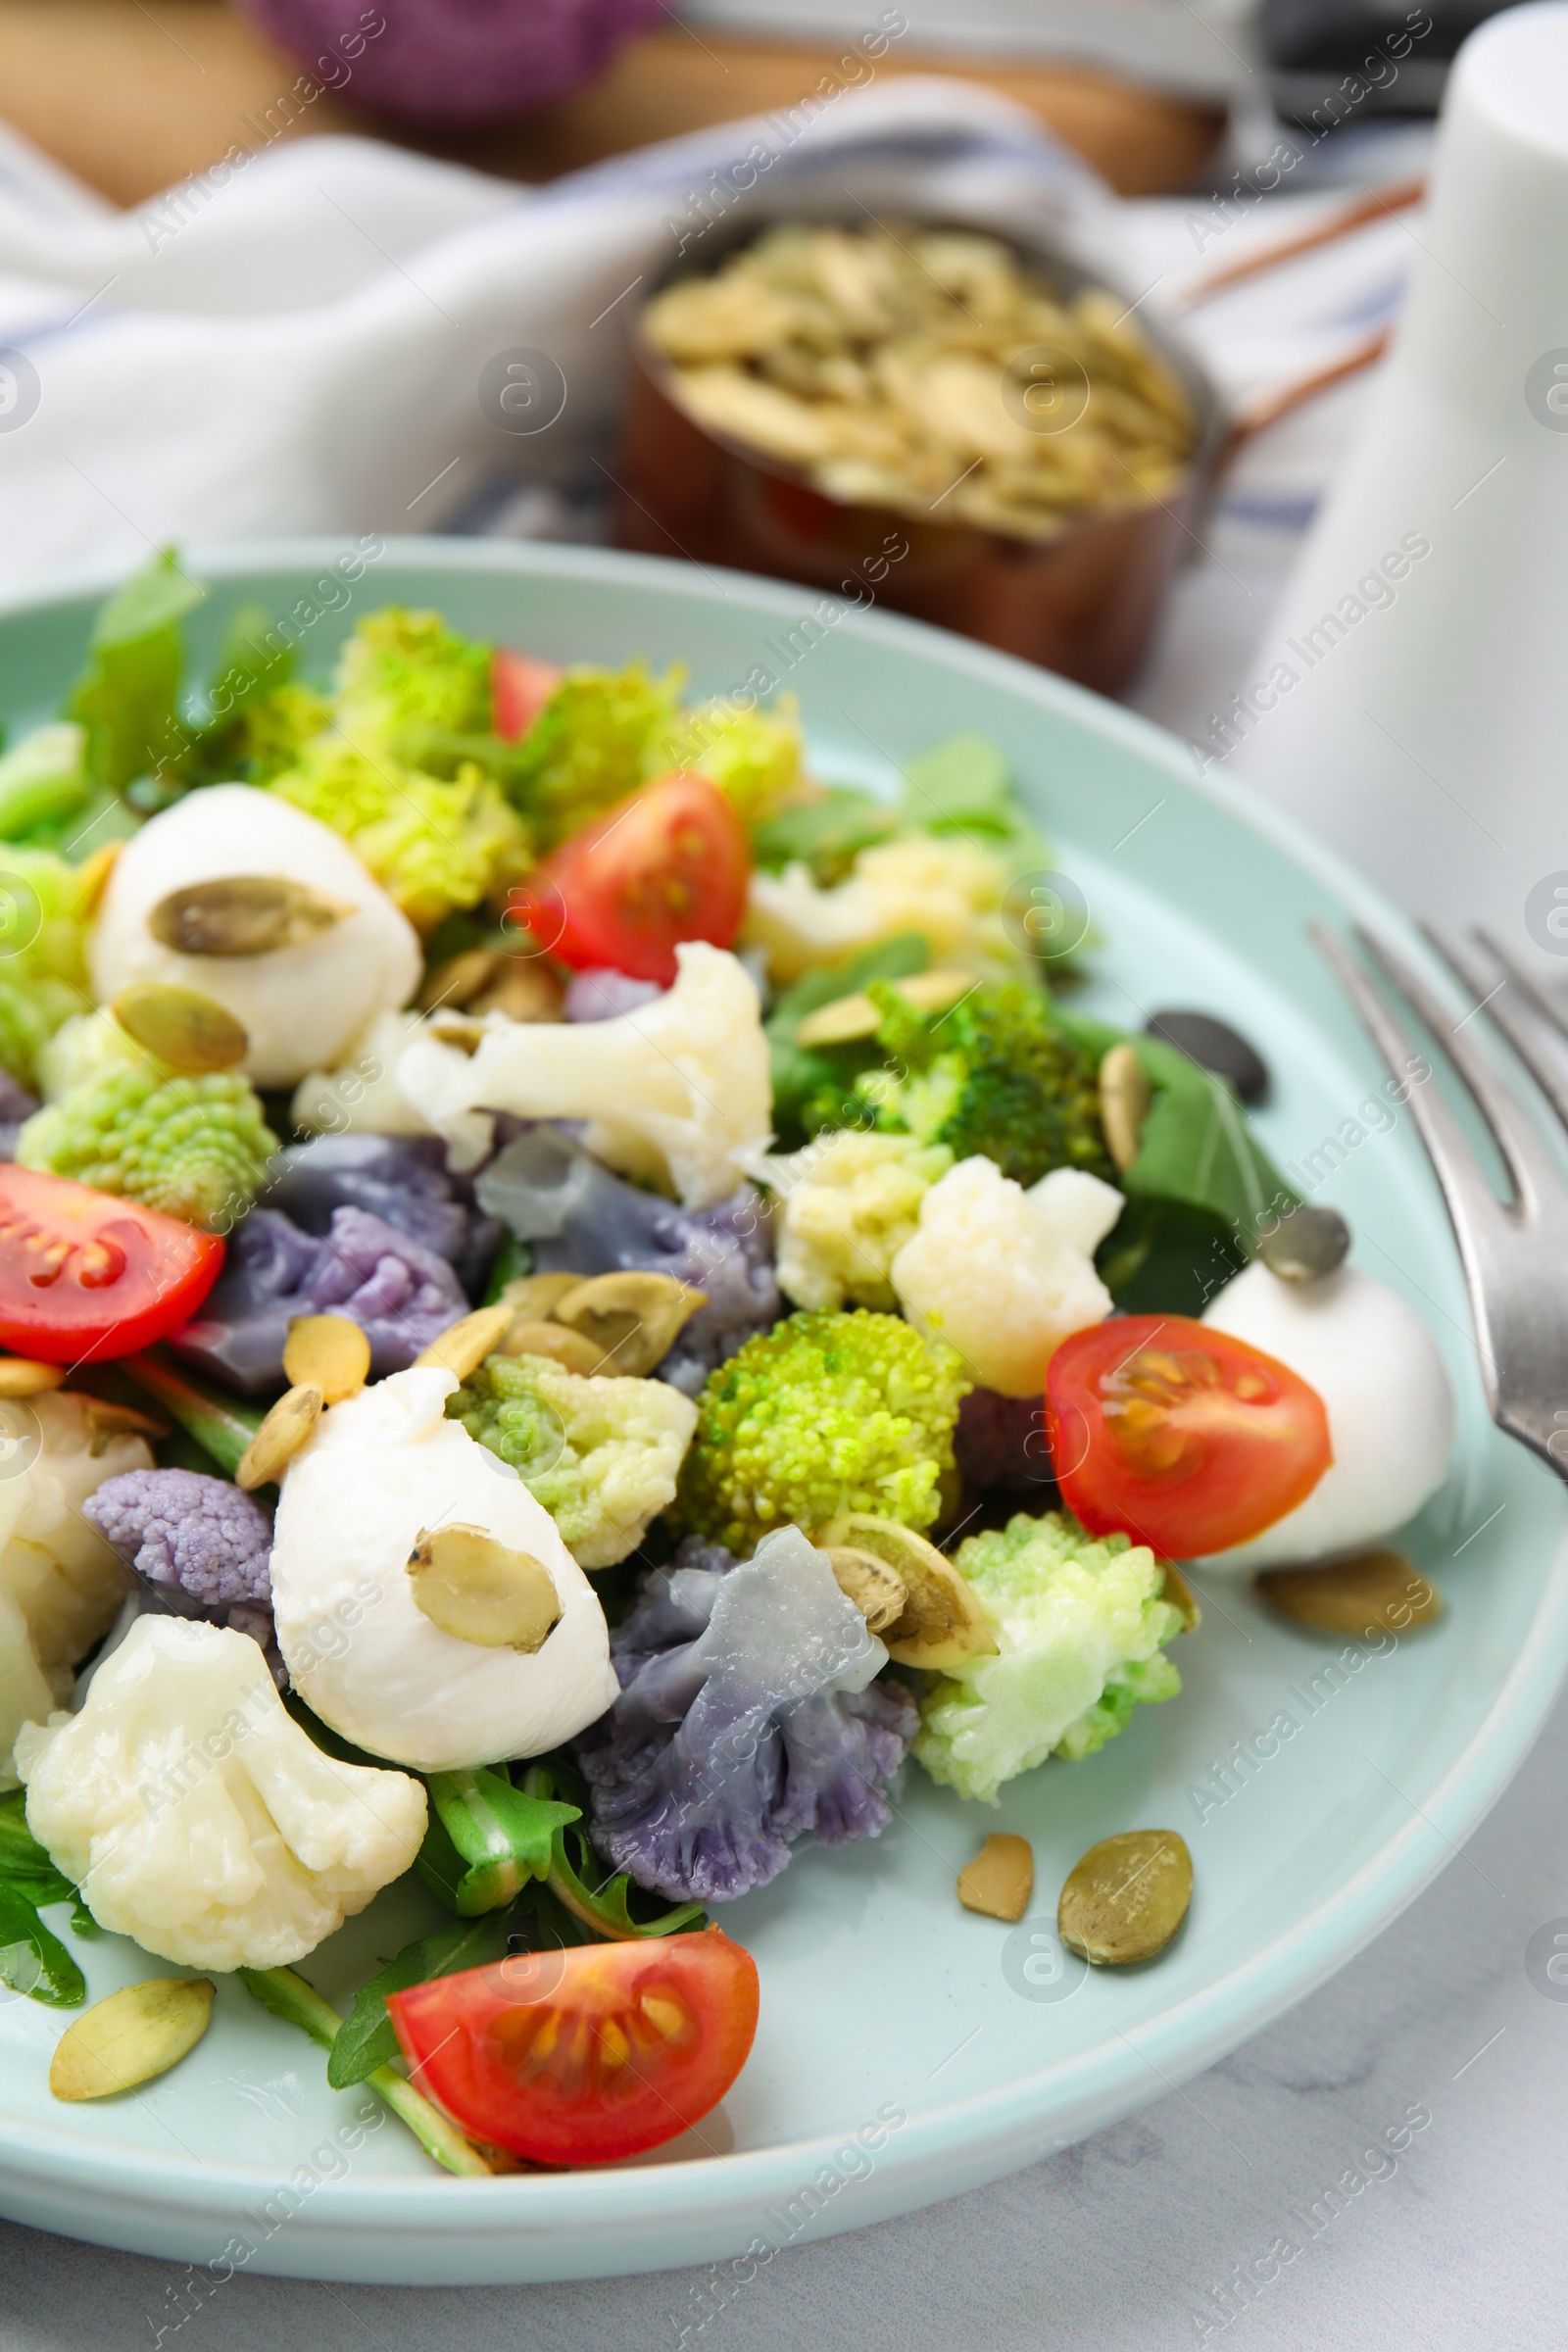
<point x="604" y="996"/>
<point x="401" y="1295"/>
<point x="403" y="1179"/>
<point x="453" y="61"/>
<point x="748" y="1716"/>
<point x="195" y="1546"/>
<point x="583" y="1220"/>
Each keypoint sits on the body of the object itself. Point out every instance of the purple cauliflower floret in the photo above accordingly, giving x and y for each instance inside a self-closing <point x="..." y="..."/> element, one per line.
<point x="402" y="1178"/>
<point x="747" y="1717"/>
<point x="604" y="996"/>
<point x="16" y="1106"/>
<point x="195" y="1546"/>
<point x="1000" y="1441"/>
<point x="401" y="1295"/>
<point x="583" y="1220"/>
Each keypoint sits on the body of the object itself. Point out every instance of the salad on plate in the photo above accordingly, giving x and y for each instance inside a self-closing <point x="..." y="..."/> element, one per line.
<point x="581" y="1301"/>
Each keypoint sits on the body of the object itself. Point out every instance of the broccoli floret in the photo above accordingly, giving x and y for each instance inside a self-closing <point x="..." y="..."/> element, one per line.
<point x="403" y="670"/>
<point x="44" y="971"/>
<point x="195" y="1148"/>
<point x="995" y="1074"/>
<point x="1080" y="1623"/>
<point x="826" y="1413"/>
<point x="601" y="1454"/>
<point x="602" y="733"/>
<point x="431" y="843"/>
<point x="269" y="734"/>
<point x="753" y="757"/>
<point x="847" y="1206"/>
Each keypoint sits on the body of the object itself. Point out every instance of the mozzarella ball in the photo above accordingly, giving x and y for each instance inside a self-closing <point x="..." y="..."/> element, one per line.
<point x="380" y="1471"/>
<point x="301" y="1006"/>
<point x="1376" y="1366"/>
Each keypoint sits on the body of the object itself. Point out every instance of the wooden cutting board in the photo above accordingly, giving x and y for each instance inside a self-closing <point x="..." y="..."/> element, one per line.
<point x="133" y="97"/>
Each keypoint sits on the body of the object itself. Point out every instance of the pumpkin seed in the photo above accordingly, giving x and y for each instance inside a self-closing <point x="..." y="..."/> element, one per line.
<point x="942" y="1622"/>
<point x="281" y="1436"/>
<point x="460" y="1029"/>
<point x="464" y="1346"/>
<point x="92" y="878"/>
<point x="105" y="1422"/>
<point x="330" y="1352"/>
<point x="525" y="989"/>
<point x="877" y="1590"/>
<point x="1377" y="1591"/>
<point x="849" y="1018"/>
<point x="130" y="2036"/>
<point x="631" y="1318"/>
<point x="1179" y="1592"/>
<point x="1124" y="1100"/>
<point x="1126" y="1898"/>
<point x="22" y="1376"/>
<point x="568" y="1349"/>
<point x="1306" y="1245"/>
<point x="458" y="980"/>
<point x="532" y="1297"/>
<point x="479" y="1590"/>
<point x="180" y="1026"/>
<point x="243" y="915"/>
<point x="1214" y="1046"/>
<point x="1000" y="1879"/>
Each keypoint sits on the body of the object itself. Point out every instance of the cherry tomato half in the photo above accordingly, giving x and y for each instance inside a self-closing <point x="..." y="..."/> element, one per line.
<point x="84" y="1276"/>
<point x="520" y="688"/>
<point x="1188" y="1440"/>
<point x="669" y="863"/>
<point x="577" y="2057"/>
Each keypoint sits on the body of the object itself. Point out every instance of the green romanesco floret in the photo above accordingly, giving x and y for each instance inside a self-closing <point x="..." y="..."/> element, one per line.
<point x="753" y="757"/>
<point x="1080" y="1625"/>
<point x="269" y="734"/>
<point x="847" y="1206"/>
<point x="432" y="843"/>
<point x="405" y="670"/>
<point x="195" y="1148"/>
<point x="995" y="1074"/>
<point x="824" y="1413"/>
<point x="44" y="971"/>
<point x="601" y="1454"/>
<point x="601" y="734"/>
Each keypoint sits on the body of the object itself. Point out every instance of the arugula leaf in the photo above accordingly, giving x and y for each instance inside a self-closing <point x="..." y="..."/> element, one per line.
<point x="367" y="2038"/>
<point x="1200" y="1191"/>
<point x="127" y="699"/>
<point x="963" y="785"/>
<point x="24" y="1862"/>
<point x="486" y="1838"/>
<point x="604" y="1910"/>
<point x="33" y="1960"/>
<point x="512" y="1261"/>
<point x="826" y="834"/>
<point x="813" y="1087"/>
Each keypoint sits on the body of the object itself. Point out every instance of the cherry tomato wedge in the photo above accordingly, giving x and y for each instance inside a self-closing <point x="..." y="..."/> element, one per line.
<point x="669" y="863"/>
<point x="520" y="688"/>
<point x="85" y="1276"/>
<point x="578" y="2057"/>
<point x="1188" y="1440"/>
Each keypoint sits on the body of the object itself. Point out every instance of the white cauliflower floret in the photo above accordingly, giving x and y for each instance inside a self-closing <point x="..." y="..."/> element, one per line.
<point x="61" y="1584"/>
<point x="680" y="1086"/>
<point x="949" y="889"/>
<point x="300" y="1006"/>
<point x="602" y="1453"/>
<point x="847" y="1204"/>
<point x="360" y="1096"/>
<point x="1005" y="1275"/>
<point x="381" y="1471"/>
<point x="196" y="1816"/>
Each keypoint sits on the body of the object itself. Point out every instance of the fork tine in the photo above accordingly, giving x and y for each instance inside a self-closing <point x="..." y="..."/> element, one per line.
<point x="1531" y="1170"/>
<point x="1521" y="1029"/>
<point x="1474" y="1209"/>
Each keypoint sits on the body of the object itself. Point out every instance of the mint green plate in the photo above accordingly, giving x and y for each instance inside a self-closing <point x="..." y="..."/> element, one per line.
<point x="907" y="2049"/>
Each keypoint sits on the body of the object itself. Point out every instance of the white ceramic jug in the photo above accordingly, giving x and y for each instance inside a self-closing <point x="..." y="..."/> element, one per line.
<point x="1410" y="703"/>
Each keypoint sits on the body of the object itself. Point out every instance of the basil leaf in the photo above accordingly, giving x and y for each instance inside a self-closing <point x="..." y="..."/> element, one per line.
<point x="499" y="1837"/>
<point x="1199" y="1191"/>
<point x="127" y="699"/>
<point x="24" y="1862"/>
<point x="963" y="785"/>
<point x="31" y="1959"/>
<point x="826" y="834"/>
<point x="814" y="1088"/>
<point x="367" y="2038"/>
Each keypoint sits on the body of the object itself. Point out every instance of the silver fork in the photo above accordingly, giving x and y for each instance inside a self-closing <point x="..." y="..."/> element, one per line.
<point x="1515" y="1250"/>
